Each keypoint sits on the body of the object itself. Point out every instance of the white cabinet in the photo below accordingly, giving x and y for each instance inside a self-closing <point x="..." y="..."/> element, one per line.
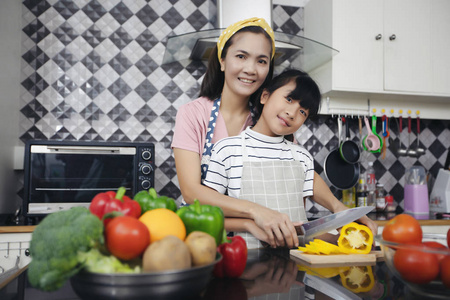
<point x="385" y="47"/>
<point x="440" y="45"/>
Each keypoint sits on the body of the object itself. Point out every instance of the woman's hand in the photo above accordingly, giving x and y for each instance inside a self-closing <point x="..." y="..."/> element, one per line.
<point x="279" y="229"/>
<point x="371" y="224"/>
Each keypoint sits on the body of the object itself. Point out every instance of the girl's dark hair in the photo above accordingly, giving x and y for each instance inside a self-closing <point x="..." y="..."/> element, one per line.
<point x="214" y="79"/>
<point x="306" y="90"/>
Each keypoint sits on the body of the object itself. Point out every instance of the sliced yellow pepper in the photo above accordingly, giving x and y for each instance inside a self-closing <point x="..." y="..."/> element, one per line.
<point x="312" y="249"/>
<point x="355" y="238"/>
<point x="321" y="247"/>
<point x="357" y="279"/>
<point x="327" y="248"/>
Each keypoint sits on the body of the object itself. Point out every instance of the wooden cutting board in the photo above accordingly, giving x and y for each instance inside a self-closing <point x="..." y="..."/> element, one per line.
<point x="337" y="259"/>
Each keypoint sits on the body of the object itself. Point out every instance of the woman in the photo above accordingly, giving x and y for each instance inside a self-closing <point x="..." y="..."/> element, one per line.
<point x="240" y="66"/>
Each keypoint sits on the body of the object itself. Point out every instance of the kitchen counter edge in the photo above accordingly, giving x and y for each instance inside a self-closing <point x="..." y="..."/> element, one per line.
<point x="25" y="229"/>
<point x="17" y="229"/>
<point x="440" y="222"/>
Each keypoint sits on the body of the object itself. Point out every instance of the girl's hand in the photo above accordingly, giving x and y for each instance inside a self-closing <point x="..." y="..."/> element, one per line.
<point x="256" y="231"/>
<point x="278" y="227"/>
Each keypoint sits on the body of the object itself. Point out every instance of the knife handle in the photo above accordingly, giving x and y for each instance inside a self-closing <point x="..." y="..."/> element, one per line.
<point x="301" y="235"/>
<point x="300" y="230"/>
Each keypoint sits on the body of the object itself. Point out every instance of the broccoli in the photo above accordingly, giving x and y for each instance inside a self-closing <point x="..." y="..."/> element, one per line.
<point x="96" y="262"/>
<point x="56" y="243"/>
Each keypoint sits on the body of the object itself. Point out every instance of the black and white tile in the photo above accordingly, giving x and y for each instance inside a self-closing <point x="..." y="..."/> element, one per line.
<point x="92" y="70"/>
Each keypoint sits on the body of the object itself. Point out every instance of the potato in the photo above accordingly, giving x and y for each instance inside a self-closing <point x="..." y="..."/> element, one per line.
<point x="202" y="247"/>
<point x="169" y="253"/>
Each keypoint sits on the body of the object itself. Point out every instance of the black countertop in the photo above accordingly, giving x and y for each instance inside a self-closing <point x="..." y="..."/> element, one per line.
<point x="270" y="274"/>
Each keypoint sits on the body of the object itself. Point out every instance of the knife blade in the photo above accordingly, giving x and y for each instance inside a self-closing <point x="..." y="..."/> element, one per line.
<point x="325" y="224"/>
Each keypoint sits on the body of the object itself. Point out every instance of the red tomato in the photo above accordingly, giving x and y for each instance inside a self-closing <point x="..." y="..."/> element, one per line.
<point x="126" y="237"/>
<point x="432" y="244"/>
<point x="448" y="238"/>
<point x="416" y="266"/>
<point x="403" y="229"/>
<point x="445" y="271"/>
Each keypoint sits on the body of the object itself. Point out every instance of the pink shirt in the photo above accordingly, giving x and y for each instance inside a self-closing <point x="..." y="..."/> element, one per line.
<point x="192" y="122"/>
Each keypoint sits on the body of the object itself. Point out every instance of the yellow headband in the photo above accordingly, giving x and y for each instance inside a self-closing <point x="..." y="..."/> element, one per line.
<point x="233" y="28"/>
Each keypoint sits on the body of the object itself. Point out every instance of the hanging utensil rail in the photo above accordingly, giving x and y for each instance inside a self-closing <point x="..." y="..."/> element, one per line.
<point x="23" y="245"/>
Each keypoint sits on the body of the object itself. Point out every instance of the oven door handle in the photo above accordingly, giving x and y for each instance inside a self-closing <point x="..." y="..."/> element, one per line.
<point x="88" y="149"/>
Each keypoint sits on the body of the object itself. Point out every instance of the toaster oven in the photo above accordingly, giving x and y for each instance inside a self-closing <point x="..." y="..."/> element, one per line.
<point x="59" y="175"/>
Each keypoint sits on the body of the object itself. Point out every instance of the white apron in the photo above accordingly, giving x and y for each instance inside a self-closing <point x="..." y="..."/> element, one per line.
<point x="277" y="185"/>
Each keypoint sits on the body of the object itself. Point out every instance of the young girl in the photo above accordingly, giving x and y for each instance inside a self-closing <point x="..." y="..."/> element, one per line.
<point x="240" y="66"/>
<point x="260" y="165"/>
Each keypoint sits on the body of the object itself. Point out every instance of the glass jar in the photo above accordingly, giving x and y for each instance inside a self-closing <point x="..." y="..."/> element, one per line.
<point x="390" y="205"/>
<point x="380" y="195"/>
<point x="349" y="197"/>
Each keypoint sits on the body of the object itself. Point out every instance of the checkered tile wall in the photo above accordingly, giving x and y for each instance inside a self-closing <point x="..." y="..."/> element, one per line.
<point x="92" y="71"/>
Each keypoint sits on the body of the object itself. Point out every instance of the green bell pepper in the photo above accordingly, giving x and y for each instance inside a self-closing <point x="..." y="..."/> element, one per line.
<point x="206" y="218"/>
<point x="149" y="200"/>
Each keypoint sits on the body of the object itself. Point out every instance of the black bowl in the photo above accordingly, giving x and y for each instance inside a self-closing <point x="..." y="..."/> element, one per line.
<point x="179" y="284"/>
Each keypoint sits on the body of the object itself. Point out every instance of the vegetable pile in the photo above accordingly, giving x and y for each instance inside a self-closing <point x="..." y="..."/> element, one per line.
<point x="118" y="234"/>
<point x="417" y="263"/>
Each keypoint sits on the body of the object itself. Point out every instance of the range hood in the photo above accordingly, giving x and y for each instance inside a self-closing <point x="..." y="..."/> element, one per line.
<point x="291" y="51"/>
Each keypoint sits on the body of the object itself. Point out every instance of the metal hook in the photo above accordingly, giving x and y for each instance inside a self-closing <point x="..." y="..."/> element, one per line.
<point x="7" y="250"/>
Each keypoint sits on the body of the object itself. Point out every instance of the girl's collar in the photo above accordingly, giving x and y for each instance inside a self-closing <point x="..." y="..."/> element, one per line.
<point x="260" y="136"/>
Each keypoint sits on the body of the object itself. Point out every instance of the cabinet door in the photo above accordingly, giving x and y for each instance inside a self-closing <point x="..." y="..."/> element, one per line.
<point x="440" y="47"/>
<point x="407" y="61"/>
<point x="359" y="64"/>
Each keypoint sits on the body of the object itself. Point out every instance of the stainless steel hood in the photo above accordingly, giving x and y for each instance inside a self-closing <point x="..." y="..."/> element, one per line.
<point x="291" y="51"/>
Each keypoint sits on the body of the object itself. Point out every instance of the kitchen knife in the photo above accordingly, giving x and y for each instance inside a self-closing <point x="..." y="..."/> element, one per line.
<point x="325" y="224"/>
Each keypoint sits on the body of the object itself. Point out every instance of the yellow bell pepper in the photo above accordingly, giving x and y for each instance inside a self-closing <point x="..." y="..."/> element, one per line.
<point x="357" y="279"/>
<point x="355" y="238"/>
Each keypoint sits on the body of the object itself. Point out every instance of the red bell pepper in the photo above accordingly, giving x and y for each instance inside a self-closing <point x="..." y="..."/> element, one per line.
<point x="234" y="258"/>
<point x="104" y="203"/>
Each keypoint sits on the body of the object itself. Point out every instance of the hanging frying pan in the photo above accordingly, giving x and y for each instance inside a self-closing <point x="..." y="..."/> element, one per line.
<point x="340" y="173"/>
<point x="348" y="149"/>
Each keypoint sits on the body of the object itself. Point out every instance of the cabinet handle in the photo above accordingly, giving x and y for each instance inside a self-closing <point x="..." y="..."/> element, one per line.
<point x="392" y="37"/>
<point x="378" y="36"/>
